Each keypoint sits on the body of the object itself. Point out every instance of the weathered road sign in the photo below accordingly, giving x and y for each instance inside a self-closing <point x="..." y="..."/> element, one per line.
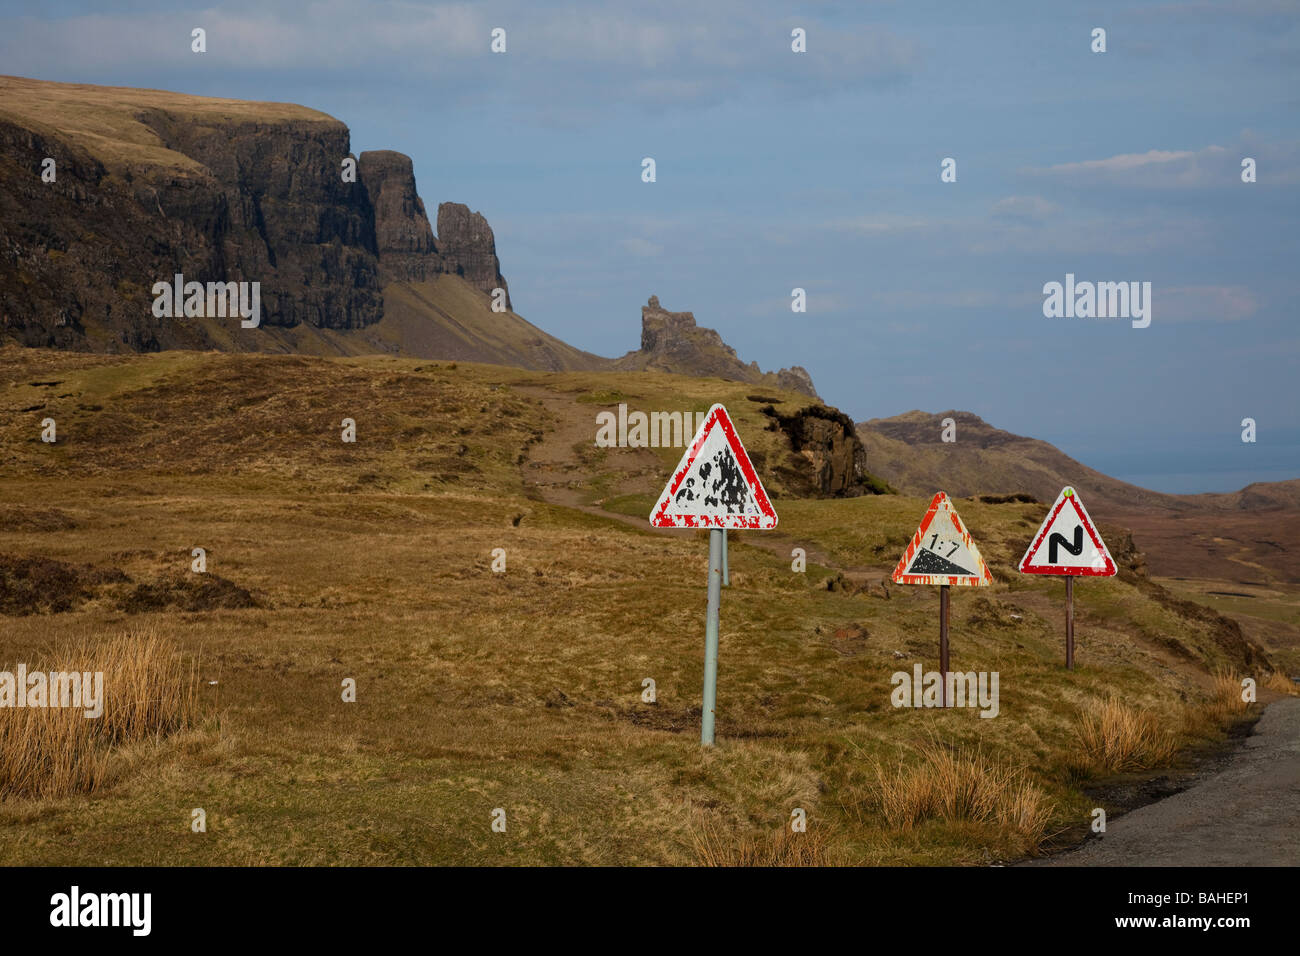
<point x="942" y="551"/>
<point x="715" y="487"/>
<point x="1068" y="542"/>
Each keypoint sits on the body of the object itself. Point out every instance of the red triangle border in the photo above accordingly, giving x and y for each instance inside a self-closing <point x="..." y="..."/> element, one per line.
<point x="1069" y="570"/>
<point x="660" y="517"/>
<point x="899" y="577"/>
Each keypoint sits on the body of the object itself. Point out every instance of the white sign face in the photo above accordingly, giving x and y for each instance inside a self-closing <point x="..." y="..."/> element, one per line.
<point x="714" y="485"/>
<point x="942" y="551"/>
<point x="1068" y="542"/>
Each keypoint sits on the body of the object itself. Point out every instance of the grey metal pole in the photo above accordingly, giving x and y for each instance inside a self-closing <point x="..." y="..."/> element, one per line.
<point x="1069" y="622"/>
<point x="726" y="565"/>
<point x="943" y="643"/>
<point x="716" y="544"/>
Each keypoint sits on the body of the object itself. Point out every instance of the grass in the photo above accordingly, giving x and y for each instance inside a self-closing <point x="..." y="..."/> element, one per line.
<point x="1280" y="683"/>
<point x="107" y="121"/>
<point x="957" y="785"/>
<point x="147" y="693"/>
<point x="716" y="846"/>
<point x="520" y="690"/>
<point x="1115" y="737"/>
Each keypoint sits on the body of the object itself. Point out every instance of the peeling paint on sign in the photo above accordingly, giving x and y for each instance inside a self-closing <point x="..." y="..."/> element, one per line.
<point x="942" y="551"/>
<point x="714" y="485"/>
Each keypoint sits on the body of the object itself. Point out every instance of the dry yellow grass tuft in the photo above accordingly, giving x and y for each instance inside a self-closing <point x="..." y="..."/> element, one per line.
<point x="716" y="846"/>
<point x="1280" y="683"/>
<point x="1226" y="703"/>
<point x="1115" y="737"/>
<point x="956" y="785"/>
<point x="148" y="692"/>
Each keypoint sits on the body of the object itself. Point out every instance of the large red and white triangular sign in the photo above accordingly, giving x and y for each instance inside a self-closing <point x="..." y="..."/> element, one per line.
<point x="942" y="551"/>
<point x="1067" y="543"/>
<point x="714" y="485"/>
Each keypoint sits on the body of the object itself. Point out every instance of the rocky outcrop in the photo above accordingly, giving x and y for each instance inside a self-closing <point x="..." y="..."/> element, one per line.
<point x="469" y="249"/>
<point x="674" y="335"/>
<point x="673" y="342"/>
<point x="408" y="249"/>
<point x="796" y="379"/>
<point x="403" y="236"/>
<point x="835" y="461"/>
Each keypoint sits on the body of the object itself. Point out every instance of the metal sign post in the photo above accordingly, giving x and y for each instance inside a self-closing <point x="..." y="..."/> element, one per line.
<point x="726" y="565"/>
<point x="717" y="544"/>
<point x="943" y="643"/>
<point x="1069" y="622"/>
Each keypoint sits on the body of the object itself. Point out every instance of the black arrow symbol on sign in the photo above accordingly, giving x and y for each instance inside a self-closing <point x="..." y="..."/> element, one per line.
<point x="1059" y="539"/>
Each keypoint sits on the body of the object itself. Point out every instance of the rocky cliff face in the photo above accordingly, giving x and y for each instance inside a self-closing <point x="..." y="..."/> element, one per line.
<point x="213" y="197"/>
<point x="673" y="342"/>
<point x="469" y="248"/>
<point x="269" y="204"/>
<point x="403" y="236"/>
<point x="150" y="184"/>
<point x="836" y="462"/>
<point x="408" y="249"/>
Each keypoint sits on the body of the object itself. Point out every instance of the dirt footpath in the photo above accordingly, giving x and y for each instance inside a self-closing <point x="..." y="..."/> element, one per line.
<point x="1248" y="814"/>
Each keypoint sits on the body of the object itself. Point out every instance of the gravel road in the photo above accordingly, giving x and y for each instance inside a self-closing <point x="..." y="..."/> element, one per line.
<point x="1248" y="814"/>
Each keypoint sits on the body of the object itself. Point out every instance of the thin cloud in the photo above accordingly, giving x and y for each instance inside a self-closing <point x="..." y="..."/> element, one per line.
<point x="1212" y="166"/>
<point x="1025" y="208"/>
<point x="676" y="54"/>
<point x="1205" y="303"/>
<point x="640" y="247"/>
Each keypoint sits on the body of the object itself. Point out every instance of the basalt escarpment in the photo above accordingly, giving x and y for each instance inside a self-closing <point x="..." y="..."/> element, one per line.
<point x="403" y="236"/>
<point x="673" y="342"/>
<point x="106" y="191"/>
<point x="162" y="189"/>
<point x="408" y="249"/>
<point x="469" y="248"/>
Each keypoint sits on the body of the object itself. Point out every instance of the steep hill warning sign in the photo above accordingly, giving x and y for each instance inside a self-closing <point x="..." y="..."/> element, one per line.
<point x="942" y="551"/>
<point x="714" y="485"/>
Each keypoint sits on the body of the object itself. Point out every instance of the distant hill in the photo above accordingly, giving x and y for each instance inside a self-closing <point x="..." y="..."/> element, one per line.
<point x="1245" y="536"/>
<point x="908" y="451"/>
<point x="1259" y="496"/>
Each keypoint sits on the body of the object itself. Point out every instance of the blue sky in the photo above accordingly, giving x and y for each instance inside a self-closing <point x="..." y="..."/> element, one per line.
<point x="820" y="170"/>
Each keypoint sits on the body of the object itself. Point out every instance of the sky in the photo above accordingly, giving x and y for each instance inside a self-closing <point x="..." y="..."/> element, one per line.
<point x="820" y="170"/>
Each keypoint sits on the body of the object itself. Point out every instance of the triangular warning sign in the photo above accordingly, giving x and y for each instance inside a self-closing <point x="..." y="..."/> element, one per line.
<point x="942" y="551"/>
<point x="1067" y="543"/>
<point x="714" y="485"/>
